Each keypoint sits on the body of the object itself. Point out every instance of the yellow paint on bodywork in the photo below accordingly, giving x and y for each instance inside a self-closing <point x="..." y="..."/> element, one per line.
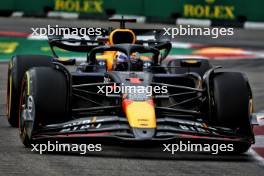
<point x="93" y="121"/>
<point x="141" y="115"/>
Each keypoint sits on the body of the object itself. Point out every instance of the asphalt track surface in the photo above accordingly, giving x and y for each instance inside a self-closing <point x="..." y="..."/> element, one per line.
<point x="17" y="160"/>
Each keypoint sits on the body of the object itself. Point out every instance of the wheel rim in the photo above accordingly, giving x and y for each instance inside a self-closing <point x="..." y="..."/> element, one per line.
<point x="22" y="109"/>
<point x="26" y="111"/>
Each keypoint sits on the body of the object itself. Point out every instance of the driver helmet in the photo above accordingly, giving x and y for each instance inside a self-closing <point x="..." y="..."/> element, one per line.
<point x="121" y="62"/>
<point x="121" y="57"/>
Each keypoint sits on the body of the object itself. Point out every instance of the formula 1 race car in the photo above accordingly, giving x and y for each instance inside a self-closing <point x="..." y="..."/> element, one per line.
<point x="127" y="91"/>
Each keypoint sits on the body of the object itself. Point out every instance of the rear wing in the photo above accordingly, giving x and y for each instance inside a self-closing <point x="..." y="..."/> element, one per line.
<point x="79" y="43"/>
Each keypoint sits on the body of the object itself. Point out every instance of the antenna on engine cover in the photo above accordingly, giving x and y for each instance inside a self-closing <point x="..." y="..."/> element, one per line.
<point x="123" y="21"/>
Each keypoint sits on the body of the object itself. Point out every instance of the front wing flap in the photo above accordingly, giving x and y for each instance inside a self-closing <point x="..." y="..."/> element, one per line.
<point x="117" y="128"/>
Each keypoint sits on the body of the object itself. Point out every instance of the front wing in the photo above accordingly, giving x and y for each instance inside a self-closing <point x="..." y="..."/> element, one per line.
<point x="116" y="130"/>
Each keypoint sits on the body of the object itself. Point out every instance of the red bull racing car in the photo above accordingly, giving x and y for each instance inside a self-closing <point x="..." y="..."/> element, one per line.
<point x="127" y="91"/>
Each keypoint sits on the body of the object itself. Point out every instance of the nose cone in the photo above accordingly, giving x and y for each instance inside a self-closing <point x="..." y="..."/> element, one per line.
<point x="143" y="133"/>
<point x="140" y="114"/>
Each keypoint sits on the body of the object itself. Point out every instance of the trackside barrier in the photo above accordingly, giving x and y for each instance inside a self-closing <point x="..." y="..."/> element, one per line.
<point x="230" y="10"/>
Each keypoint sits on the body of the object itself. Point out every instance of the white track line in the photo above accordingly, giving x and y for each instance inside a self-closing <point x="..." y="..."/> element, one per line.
<point x="256" y="156"/>
<point x="196" y="22"/>
<point x="64" y="15"/>
<point x="253" y="25"/>
<point x="17" y="14"/>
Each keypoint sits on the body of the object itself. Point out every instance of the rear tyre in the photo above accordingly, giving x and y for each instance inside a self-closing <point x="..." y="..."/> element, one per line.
<point x="44" y="100"/>
<point x="16" y="69"/>
<point x="232" y="105"/>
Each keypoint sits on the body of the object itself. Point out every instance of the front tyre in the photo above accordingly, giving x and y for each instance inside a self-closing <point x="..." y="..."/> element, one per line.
<point x="17" y="67"/>
<point x="44" y="100"/>
<point x="232" y="105"/>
